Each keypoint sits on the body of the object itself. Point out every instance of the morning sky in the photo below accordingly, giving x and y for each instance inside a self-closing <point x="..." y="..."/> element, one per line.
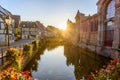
<point x="49" y="12"/>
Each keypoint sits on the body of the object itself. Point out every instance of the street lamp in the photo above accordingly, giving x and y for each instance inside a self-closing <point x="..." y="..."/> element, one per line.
<point x="8" y="23"/>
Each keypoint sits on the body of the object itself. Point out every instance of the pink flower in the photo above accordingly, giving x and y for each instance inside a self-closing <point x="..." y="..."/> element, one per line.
<point x="96" y="73"/>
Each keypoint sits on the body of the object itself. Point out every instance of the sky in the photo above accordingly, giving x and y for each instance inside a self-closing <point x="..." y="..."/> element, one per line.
<point x="49" y="12"/>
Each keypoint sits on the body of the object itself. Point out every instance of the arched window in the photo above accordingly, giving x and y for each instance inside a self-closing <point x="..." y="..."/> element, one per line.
<point x="111" y="9"/>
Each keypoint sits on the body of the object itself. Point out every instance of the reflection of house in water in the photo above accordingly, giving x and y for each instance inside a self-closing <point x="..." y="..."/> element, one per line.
<point x="33" y="64"/>
<point x="82" y="60"/>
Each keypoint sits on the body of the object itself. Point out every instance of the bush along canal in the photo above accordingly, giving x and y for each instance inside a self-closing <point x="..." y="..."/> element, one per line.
<point x="15" y="61"/>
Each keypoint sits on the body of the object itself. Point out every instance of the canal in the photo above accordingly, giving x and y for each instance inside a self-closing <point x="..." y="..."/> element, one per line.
<point x="64" y="62"/>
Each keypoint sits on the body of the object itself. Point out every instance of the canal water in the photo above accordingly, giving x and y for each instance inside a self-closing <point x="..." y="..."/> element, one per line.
<point x="64" y="62"/>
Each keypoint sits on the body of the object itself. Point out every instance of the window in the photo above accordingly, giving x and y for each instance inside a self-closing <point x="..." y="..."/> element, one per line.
<point x="96" y="25"/>
<point x="92" y="26"/>
<point x="110" y="31"/>
<point x="110" y="25"/>
<point x="2" y="26"/>
<point x="111" y="9"/>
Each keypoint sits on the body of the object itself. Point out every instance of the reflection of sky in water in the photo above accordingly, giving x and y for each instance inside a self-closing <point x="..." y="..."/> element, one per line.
<point x="66" y="62"/>
<point x="53" y="66"/>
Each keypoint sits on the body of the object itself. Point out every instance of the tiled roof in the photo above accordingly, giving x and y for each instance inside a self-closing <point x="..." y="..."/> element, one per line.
<point x="30" y="24"/>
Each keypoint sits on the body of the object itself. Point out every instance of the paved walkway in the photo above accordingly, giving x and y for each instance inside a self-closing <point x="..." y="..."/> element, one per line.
<point x="105" y="51"/>
<point x="18" y="43"/>
<point x="21" y="42"/>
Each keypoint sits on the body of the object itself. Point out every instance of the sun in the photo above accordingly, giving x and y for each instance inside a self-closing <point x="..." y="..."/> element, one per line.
<point x="62" y="26"/>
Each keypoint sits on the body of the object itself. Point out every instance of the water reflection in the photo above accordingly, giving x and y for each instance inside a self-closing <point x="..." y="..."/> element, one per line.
<point x="68" y="62"/>
<point x="33" y="65"/>
<point x="83" y="60"/>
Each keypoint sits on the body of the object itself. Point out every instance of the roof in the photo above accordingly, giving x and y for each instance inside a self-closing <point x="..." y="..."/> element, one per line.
<point x="30" y="24"/>
<point x="4" y="11"/>
<point x="16" y="19"/>
<point x="99" y="2"/>
<point x="79" y="14"/>
<point x="41" y="27"/>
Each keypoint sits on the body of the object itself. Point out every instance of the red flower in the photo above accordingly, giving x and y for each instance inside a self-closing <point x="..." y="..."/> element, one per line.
<point x="12" y="78"/>
<point x="8" y="68"/>
<point x="15" y="75"/>
<point x="114" y="62"/>
<point x="89" y="76"/>
<point x="26" y="73"/>
<point x="117" y="76"/>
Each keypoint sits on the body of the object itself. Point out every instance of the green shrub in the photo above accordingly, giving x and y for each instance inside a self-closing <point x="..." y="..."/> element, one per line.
<point x="13" y="58"/>
<point x="27" y="49"/>
<point x="35" y="44"/>
<point x="12" y="54"/>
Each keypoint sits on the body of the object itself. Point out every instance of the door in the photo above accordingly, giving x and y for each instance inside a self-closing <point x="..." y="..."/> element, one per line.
<point x="109" y="34"/>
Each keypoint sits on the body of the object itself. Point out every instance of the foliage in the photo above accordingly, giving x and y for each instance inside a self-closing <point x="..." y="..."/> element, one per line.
<point x="54" y="32"/>
<point x="13" y="57"/>
<point x="35" y="44"/>
<point x="12" y="54"/>
<point x="12" y="74"/>
<point x="27" y="49"/>
<point x="111" y="72"/>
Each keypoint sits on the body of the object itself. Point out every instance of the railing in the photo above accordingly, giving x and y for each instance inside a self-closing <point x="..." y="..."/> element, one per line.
<point x="3" y="55"/>
<point x="3" y="52"/>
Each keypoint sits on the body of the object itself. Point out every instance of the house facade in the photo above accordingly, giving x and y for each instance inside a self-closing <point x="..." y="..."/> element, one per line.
<point x="87" y="28"/>
<point x="17" y="28"/>
<point x="3" y="27"/>
<point x="101" y="31"/>
<point x="109" y="23"/>
<point x="31" y="30"/>
<point x="102" y="28"/>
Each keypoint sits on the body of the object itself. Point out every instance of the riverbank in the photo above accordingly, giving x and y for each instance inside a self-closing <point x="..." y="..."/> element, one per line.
<point x="104" y="51"/>
<point x="81" y="58"/>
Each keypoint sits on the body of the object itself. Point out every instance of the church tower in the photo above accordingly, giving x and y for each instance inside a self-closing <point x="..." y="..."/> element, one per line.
<point x="78" y="20"/>
<point x="77" y="17"/>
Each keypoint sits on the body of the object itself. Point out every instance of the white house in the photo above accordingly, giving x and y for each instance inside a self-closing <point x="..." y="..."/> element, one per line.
<point x="3" y="27"/>
<point x="32" y="30"/>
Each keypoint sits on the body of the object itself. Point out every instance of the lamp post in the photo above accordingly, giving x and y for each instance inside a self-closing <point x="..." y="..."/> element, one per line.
<point x="8" y="23"/>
